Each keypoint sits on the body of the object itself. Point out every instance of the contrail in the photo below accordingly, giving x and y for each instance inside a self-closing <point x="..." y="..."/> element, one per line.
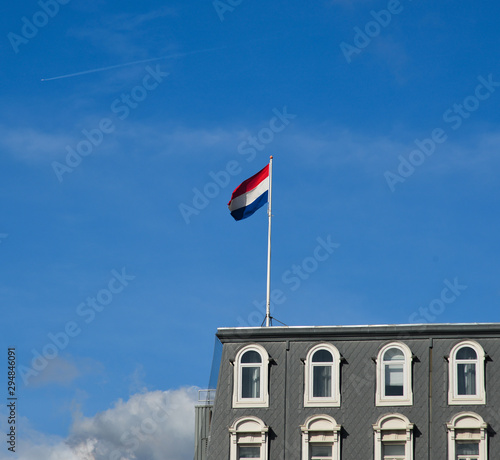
<point x="101" y="69"/>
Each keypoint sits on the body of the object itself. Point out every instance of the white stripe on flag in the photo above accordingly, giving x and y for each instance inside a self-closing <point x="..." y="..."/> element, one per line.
<point x="249" y="197"/>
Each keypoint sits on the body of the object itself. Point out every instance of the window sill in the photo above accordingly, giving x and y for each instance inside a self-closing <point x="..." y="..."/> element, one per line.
<point x="394" y="402"/>
<point x="322" y="403"/>
<point x="249" y="404"/>
<point x="474" y="401"/>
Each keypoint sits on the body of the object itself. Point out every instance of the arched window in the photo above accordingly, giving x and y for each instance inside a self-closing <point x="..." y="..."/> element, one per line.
<point x="467" y="437"/>
<point x="466" y="374"/>
<point x="322" y="377"/>
<point x="248" y="439"/>
<point x="320" y="438"/>
<point x="393" y="438"/>
<point x="250" y="377"/>
<point x="394" y="386"/>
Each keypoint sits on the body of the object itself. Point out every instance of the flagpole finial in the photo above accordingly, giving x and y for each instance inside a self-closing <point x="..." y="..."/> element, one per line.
<point x="271" y="157"/>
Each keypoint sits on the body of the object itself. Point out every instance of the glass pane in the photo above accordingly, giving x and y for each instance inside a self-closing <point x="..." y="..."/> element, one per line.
<point x="250" y="382"/>
<point x="466" y="375"/>
<point x="394" y="380"/>
<point x="251" y="357"/>
<point x="322" y="381"/>
<point x="394" y="354"/>
<point x="320" y="451"/>
<point x="393" y="450"/>
<point x="248" y="452"/>
<point x="467" y="448"/>
<point x="322" y="356"/>
<point x="466" y="353"/>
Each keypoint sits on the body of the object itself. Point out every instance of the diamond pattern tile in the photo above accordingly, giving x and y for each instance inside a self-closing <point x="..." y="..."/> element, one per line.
<point x="358" y="411"/>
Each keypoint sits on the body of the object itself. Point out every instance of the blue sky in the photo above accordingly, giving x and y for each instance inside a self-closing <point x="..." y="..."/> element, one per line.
<point x="116" y="241"/>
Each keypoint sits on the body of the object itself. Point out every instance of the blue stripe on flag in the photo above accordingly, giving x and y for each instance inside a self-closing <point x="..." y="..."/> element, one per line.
<point x="247" y="211"/>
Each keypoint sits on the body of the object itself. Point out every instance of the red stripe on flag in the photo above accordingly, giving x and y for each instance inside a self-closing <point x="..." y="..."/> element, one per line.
<point x="250" y="183"/>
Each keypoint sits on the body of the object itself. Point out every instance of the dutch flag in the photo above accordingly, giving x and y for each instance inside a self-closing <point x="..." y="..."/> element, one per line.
<point x="250" y="195"/>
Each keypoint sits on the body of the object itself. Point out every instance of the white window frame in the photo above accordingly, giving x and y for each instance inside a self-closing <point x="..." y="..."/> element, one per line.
<point x="393" y="428"/>
<point x="453" y="397"/>
<point x="381" y="399"/>
<point x="309" y="399"/>
<point x="321" y="429"/>
<point x="467" y="426"/>
<point x="263" y="400"/>
<point x="248" y="431"/>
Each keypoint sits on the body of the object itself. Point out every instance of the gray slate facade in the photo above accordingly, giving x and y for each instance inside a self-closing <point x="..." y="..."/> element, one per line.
<point x="430" y="345"/>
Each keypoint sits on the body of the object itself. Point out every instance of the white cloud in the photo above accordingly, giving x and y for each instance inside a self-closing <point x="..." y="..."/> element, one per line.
<point x="475" y="147"/>
<point x="63" y="370"/>
<point x="393" y="53"/>
<point x="35" y="147"/>
<point x="58" y="370"/>
<point x="179" y="140"/>
<point x="119" y="34"/>
<point x="158" y="425"/>
<point x="131" y="22"/>
<point x="136" y="379"/>
<point x="31" y="145"/>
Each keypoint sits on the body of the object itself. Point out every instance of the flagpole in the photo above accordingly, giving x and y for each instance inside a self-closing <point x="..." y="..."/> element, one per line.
<point x="268" y="297"/>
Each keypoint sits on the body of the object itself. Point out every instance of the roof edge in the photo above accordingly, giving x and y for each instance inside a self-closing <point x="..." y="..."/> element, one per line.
<point x="358" y="332"/>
